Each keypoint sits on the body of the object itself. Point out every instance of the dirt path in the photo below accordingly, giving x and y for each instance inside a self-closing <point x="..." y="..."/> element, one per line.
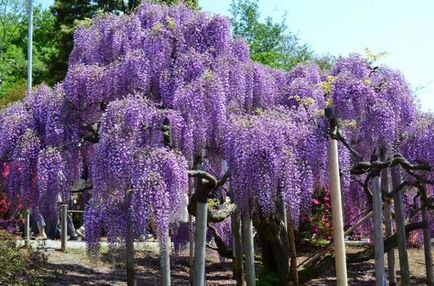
<point x="363" y="274"/>
<point x="75" y="268"/>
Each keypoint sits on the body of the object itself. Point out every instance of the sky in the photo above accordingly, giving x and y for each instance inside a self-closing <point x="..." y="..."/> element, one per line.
<point x="401" y="28"/>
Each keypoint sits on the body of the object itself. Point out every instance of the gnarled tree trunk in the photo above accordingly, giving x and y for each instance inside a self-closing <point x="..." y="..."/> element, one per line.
<point x="275" y="246"/>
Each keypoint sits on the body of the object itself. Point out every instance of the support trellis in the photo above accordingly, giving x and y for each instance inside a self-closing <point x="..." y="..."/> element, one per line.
<point x="381" y="189"/>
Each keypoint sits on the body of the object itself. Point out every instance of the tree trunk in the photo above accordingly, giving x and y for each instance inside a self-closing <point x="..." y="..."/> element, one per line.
<point x="275" y="247"/>
<point x="427" y="248"/>
<point x="399" y="216"/>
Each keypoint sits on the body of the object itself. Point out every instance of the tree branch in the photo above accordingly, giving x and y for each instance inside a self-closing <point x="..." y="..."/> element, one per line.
<point x="222" y="249"/>
<point x="203" y="175"/>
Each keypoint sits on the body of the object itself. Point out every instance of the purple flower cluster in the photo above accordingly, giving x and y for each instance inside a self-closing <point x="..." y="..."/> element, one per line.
<point x="51" y="180"/>
<point x="268" y="158"/>
<point x="160" y="184"/>
<point x="148" y="93"/>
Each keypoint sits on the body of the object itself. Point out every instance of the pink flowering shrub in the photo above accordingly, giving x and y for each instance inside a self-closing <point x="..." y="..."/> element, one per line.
<point x="317" y="226"/>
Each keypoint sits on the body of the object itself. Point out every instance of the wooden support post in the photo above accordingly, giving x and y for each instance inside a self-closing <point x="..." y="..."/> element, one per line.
<point x="427" y="248"/>
<point x="400" y="227"/>
<point x="387" y="210"/>
<point x="129" y="243"/>
<point x="237" y="249"/>
<point x="378" y="227"/>
<point x="249" y="250"/>
<point x="294" y="270"/>
<point x="199" y="277"/>
<point x="27" y="228"/>
<point x="336" y="202"/>
<point x="165" y="260"/>
<point x="201" y="227"/>
<point x="63" y="224"/>
<point x="190" y="231"/>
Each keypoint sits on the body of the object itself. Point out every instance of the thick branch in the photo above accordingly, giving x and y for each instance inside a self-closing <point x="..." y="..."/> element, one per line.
<point x="203" y="175"/>
<point x="222" y="249"/>
<point x="365" y="167"/>
<point x="214" y="215"/>
<point x="338" y="136"/>
<point x="224" y="179"/>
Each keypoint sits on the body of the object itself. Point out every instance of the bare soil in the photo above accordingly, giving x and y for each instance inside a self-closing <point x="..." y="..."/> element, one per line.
<point x="75" y="268"/>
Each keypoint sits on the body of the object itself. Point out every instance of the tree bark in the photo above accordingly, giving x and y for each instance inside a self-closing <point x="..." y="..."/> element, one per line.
<point x="399" y="217"/>
<point x="427" y="248"/>
<point x="275" y="247"/>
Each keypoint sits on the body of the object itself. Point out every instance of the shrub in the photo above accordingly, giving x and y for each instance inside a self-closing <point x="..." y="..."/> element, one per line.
<point x="7" y="222"/>
<point x="318" y="225"/>
<point x="20" y="266"/>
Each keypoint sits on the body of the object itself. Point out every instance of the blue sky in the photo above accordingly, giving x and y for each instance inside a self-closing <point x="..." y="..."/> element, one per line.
<point x="403" y="29"/>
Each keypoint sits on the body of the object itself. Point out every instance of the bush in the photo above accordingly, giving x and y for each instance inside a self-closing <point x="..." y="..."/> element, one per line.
<point x="20" y="266"/>
<point x="8" y="222"/>
<point x="317" y="226"/>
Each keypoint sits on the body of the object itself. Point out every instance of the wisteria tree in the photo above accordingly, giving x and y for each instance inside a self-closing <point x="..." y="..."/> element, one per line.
<point x="148" y="96"/>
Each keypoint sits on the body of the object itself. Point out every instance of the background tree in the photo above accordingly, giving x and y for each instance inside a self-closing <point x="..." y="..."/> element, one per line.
<point x="270" y="43"/>
<point x="13" y="47"/>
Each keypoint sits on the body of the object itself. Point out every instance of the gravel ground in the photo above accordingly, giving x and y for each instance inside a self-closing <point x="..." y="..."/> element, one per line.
<point x="363" y="274"/>
<point x="75" y="268"/>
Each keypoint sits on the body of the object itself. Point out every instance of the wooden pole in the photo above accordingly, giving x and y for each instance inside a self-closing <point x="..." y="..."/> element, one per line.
<point x="249" y="250"/>
<point x="190" y="231"/>
<point x="294" y="270"/>
<point x="400" y="226"/>
<point x="336" y="202"/>
<point x="237" y="248"/>
<point x="427" y="248"/>
<point x="27" y="228"/>
<point x="165" y="260"/>
<point x="199" y="277"/>
<point x="129" y="243"/>
<point x="378" y="227"/>
<point x="387" y="207"/>
<point x="63" y="224"/>
<point x="201" y="223"/>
